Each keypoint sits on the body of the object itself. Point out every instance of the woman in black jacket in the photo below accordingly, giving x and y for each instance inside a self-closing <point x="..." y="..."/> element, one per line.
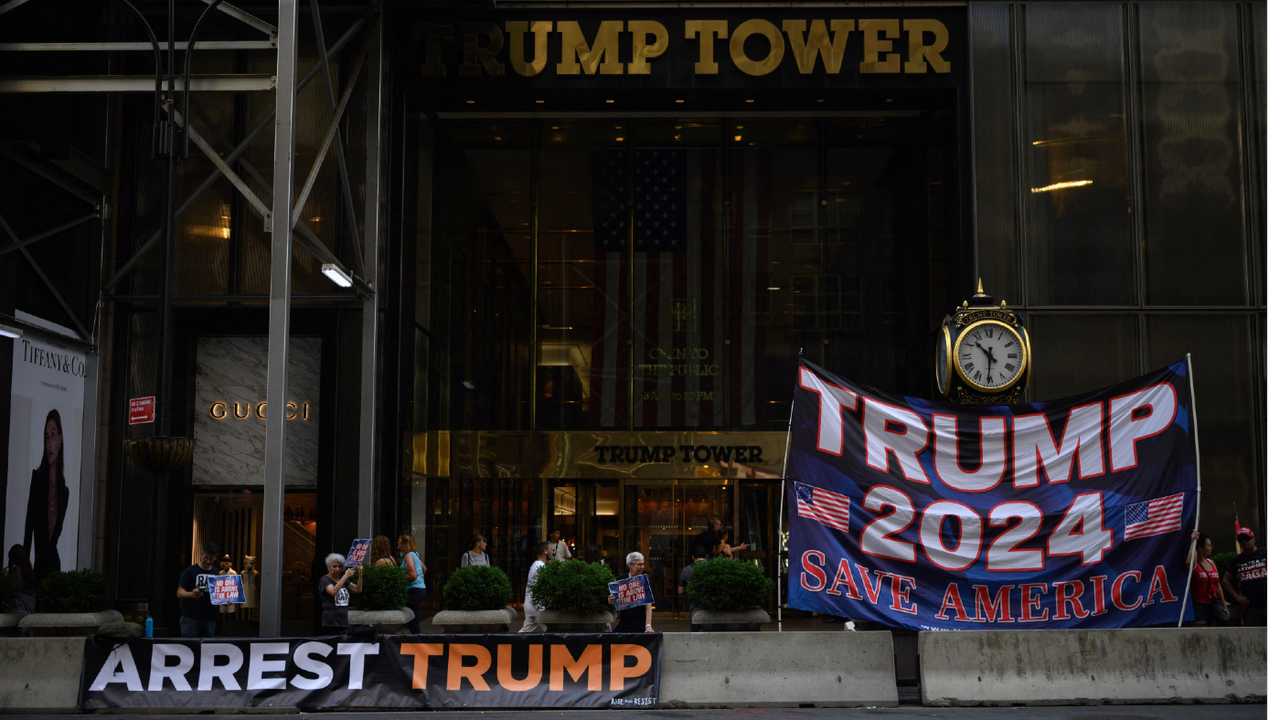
<point x="46" y="504"/>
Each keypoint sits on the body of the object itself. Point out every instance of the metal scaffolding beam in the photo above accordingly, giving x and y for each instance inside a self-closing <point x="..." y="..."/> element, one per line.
<point x="133" y="84"/>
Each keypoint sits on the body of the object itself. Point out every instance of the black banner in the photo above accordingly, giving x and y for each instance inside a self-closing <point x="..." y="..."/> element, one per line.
<point x="406" y="671"/>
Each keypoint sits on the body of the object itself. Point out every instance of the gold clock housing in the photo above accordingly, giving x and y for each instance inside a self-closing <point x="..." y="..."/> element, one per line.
<point x="1016" y="332"/>
<point x="942" y="361"/>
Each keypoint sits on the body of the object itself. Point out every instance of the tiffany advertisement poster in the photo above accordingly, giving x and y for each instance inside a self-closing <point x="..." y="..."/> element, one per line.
<point x="42" y="496"/>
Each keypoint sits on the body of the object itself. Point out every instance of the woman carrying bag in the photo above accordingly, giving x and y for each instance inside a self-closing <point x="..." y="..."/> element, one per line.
<point x="475" y="554"/>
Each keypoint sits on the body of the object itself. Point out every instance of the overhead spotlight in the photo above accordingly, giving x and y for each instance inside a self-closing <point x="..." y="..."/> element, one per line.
<point x="608" y="101"/>
<point x="468" y="385"/>
<point x="10" y="332"/>
<point x="336" y="274"/>
<point x="539" y="101"/>
<point x="749" y="100"/>
<point x="471" y="102"/>
<point x="679" y="101"/>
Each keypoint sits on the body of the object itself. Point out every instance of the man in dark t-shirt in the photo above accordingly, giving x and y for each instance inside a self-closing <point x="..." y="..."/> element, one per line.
<point x="1249" y="571"/>
<point x="199" y="618"/>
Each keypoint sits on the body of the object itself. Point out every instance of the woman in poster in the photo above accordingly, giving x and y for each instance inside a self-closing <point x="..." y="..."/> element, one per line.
<point x="47" y="503"/>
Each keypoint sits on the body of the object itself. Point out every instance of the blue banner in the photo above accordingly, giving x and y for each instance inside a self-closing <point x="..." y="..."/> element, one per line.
<point x="931" y="516"/>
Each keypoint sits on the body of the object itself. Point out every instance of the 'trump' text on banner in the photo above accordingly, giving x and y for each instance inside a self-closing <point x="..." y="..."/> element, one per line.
<point x="932" y="516"/>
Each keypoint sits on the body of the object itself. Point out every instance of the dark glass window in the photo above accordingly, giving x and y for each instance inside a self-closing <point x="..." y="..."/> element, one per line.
<point x="1073" y="354"/>
<point x="1079" y="231"/>
<point x="1192" y="205"/>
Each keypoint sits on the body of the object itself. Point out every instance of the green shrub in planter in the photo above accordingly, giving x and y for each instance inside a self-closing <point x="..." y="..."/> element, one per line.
<point x="725" y="584"/>
<point x="385" y="588"/>
<point x="1223" y="560"/>
<point x="477" y="587"/>
<point x="572" y="586"/>
<point x="10" y="591"/>
<point x="77" y="591"/>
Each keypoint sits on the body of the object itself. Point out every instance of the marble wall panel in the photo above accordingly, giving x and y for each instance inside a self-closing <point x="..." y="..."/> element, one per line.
<point x="231" y="385"/>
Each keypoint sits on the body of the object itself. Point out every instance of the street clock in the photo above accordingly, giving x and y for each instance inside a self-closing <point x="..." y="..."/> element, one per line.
<point x="983" y="354"/>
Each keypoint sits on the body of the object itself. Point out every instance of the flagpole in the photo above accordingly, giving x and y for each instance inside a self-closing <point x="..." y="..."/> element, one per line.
<point x="782" y="498"/>
<point x="1195" y="426"/>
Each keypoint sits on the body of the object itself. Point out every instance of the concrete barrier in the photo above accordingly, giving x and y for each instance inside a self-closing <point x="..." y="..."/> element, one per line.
<point x="770" y="669"/>
<point x="1091" y="667"/>
<point x="40" y="674"/>
<point x="755" y="669"/>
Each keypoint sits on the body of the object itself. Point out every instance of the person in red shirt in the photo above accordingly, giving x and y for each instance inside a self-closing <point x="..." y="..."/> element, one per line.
<point x="1206" y="587"/>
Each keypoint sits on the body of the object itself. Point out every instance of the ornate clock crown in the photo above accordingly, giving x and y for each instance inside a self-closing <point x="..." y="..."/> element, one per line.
<point x="982" y="307"/>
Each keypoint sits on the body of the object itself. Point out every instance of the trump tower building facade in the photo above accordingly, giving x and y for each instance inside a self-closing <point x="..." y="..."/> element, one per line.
<point x="590" y="243"/>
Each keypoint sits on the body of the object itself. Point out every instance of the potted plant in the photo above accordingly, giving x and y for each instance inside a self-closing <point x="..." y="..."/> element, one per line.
<point x="729" y="594"/>
<point x="575" y="595"/>
<point x="475" y="601"/>
<point x="70" y="604"/>
<point x="10" y="593"/>
<point x="381" y="600"/>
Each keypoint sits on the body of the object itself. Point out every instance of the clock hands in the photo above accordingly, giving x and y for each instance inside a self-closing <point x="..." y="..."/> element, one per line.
<point x="991" y="358"/>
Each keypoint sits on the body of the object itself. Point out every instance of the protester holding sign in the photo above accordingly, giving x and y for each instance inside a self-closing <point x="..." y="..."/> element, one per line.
<point x="198" y="618"/>
<point x="1206" y="587"/>
<point x="639" y="618"/>
<point x="335" y="594"/>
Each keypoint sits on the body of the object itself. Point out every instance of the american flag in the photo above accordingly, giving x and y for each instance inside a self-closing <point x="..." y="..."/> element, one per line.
<point x="830" y="509"/>
<point x="679" y="295"/>
<point x="1152" y="517"/>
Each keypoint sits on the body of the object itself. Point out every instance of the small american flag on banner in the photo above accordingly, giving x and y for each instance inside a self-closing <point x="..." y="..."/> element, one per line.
<point x="1152" y="517"/>
<point x="830" y="509"/>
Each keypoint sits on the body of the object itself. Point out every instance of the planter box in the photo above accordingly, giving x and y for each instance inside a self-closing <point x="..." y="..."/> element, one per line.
<point x="9" y="623"/>
<point x="730" y="620"/>
<point x="559" y="621"/>
<point x="384" y="622"/>
<point x="67" y="624"/>
<point x="474" y="622"/>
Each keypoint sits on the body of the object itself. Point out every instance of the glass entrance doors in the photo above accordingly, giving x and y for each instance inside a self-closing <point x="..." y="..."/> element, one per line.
<point x="663" y="521"/>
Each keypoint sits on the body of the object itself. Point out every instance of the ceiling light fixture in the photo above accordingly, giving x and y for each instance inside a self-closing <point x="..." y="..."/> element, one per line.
<point x="335" y="273"/>
<point x="10" y="332"/>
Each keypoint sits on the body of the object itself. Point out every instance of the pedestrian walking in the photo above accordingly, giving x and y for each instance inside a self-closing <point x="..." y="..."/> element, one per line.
<point x="699" y="556"/>
<point x="1249" y="571"/>
<point x="335" y="594"/>
<point x="1206" y="587"/>
<point x="380" y="551"/>
<point x="415" y="575"/>
<point x="198" y="618"/>
<point x="560" y="549"/>
<point x="639" y="618"/>
<point x="531" y="609"/>
<point x="475" y="554"/>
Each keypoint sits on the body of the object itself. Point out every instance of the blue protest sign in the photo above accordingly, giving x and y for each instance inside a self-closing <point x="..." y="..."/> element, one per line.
<point x="359" y="551"/>
<point x="1073" y="513"/>
<point x="631" y="592"/>
<point x="226" y="590"/>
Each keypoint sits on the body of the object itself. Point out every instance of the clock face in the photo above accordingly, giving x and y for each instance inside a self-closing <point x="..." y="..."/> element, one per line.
<point x="990" y="355"/>
<point x="943" y="361"/>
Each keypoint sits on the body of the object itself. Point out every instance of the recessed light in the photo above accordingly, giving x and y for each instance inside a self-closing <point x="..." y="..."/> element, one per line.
<point x="618" y="139"/>
<point x="617" y="127"/>
<point x="471" y="102"/>
<point x="739" y="127"/>
<point x="539" y="101"/>
<point x="679" y="101"/>
<point x="750" y="100"/>
<point x="495" y="137"/>
<point x="888" y="99"/>
<point x="555" y="127"/>
<point x="608" y="101"/>
<point x="737" y="138"/>
<point x="821" y="100"/>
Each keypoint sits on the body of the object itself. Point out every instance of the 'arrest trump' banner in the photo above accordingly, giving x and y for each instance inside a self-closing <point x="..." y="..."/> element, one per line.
<point x="932" y="516"/>
<point x="393" y="671"/>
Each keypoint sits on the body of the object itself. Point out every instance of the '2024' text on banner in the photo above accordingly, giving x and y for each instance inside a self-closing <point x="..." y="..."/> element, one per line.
<point x="582" y="670"/>
<point x="931" y="516"/>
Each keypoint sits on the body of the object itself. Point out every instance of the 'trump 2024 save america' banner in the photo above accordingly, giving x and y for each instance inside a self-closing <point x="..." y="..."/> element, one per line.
<point x="931" y="516"/>
<point x="394" y="671"/>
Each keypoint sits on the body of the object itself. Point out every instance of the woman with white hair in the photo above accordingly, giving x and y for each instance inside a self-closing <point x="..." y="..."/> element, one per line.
<point x="639" y="618"/>
<point x="335" y="594"/>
